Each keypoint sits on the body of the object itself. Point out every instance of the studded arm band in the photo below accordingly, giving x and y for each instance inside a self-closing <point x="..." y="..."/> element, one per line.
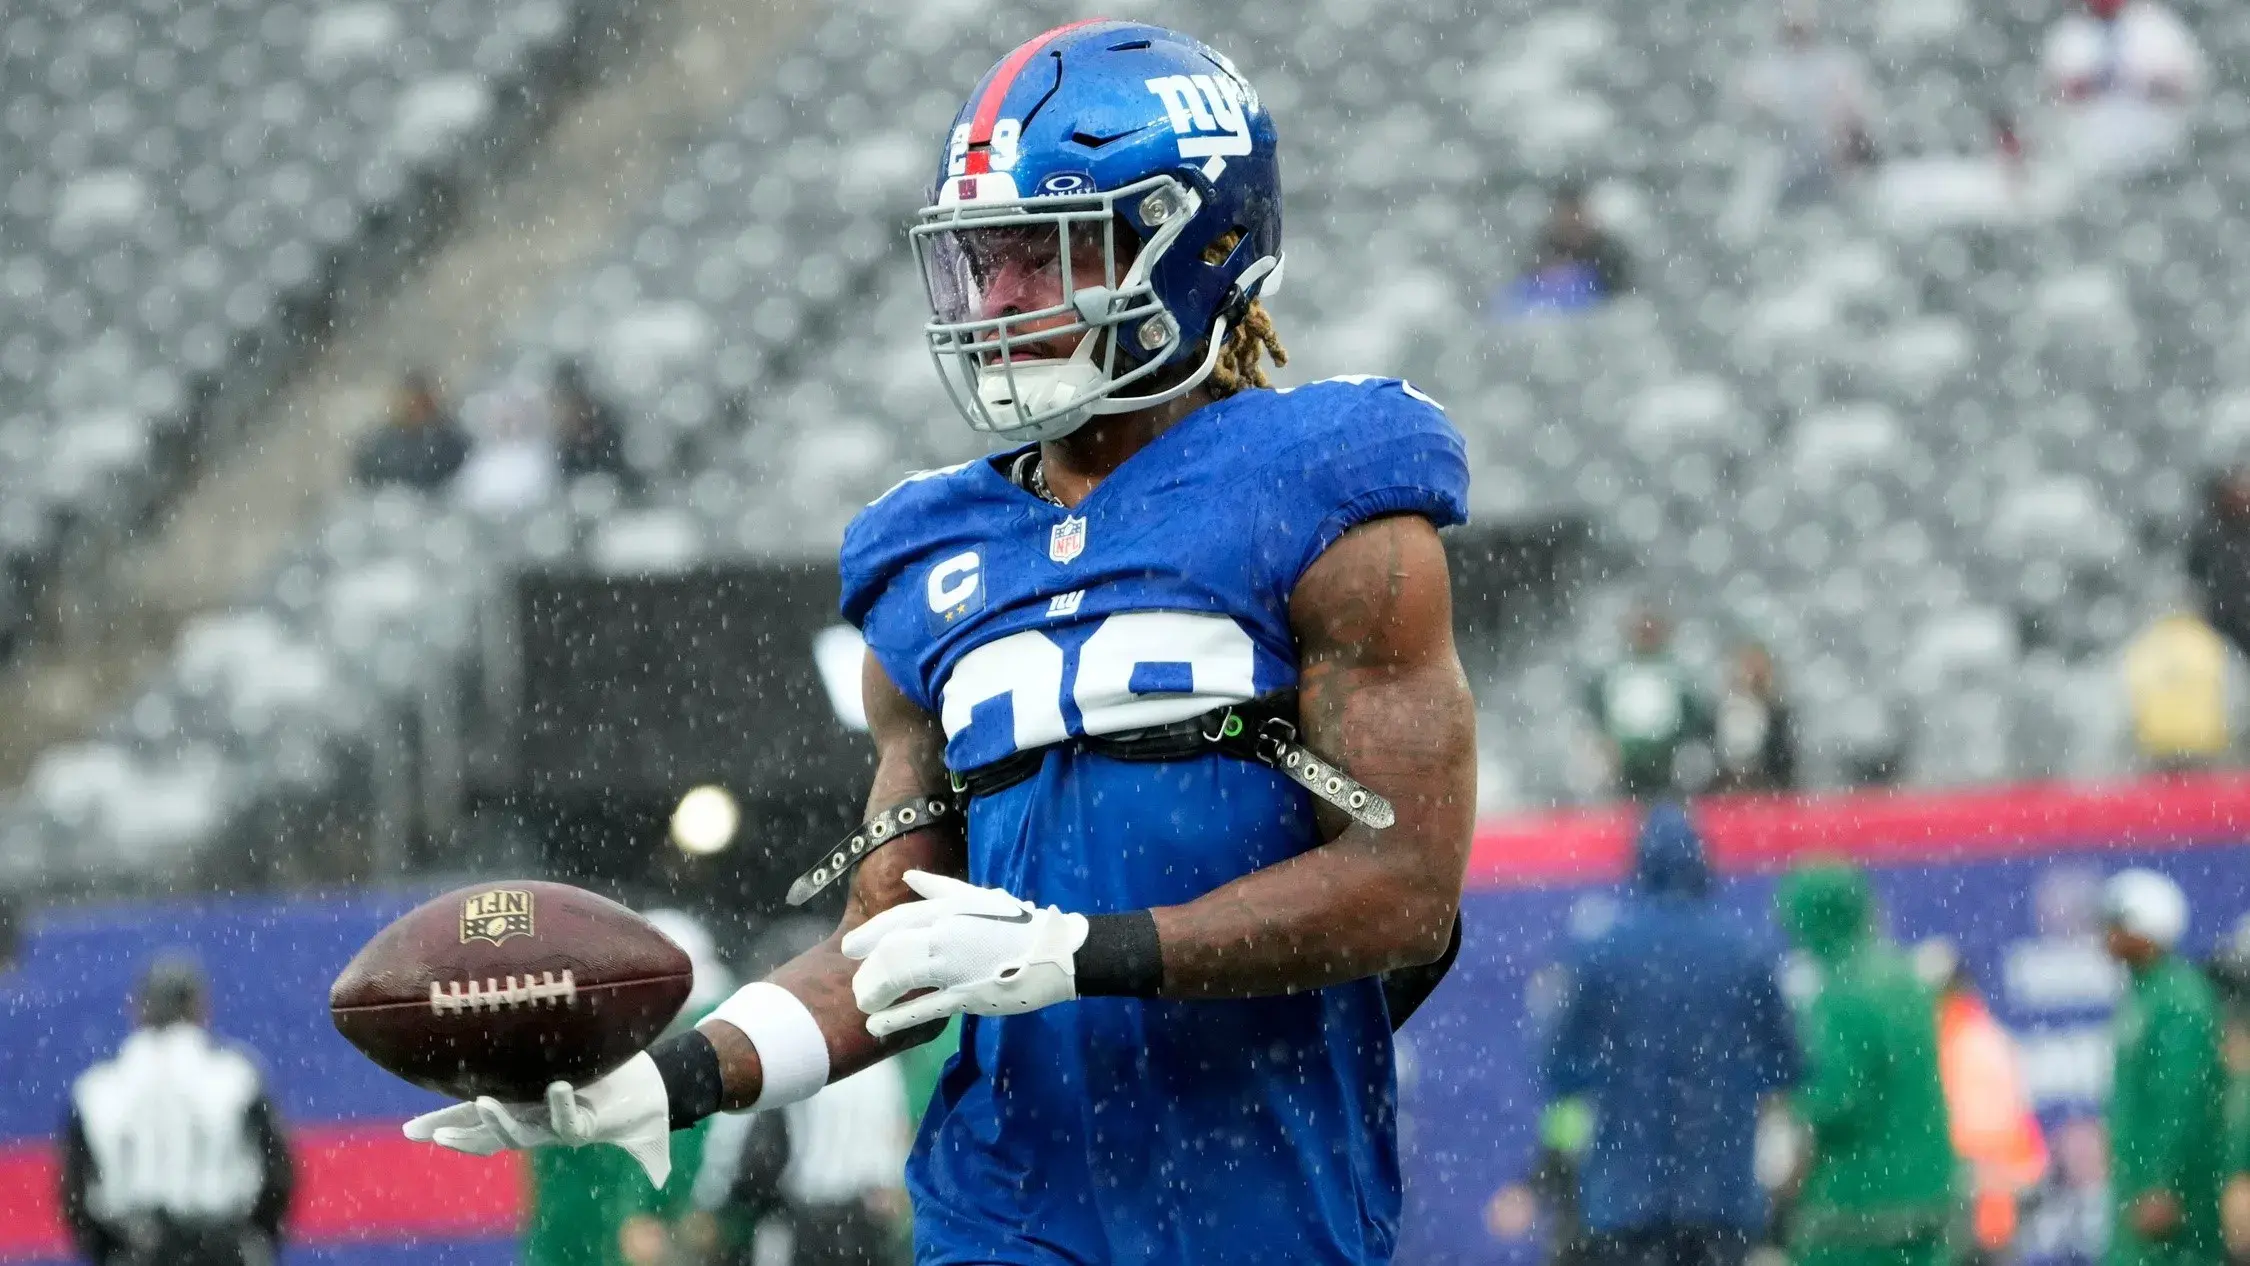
<point x="905" y="818"/>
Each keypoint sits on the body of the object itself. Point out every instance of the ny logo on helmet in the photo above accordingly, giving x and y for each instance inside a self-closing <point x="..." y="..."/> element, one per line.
<point x="1210" y="115"/>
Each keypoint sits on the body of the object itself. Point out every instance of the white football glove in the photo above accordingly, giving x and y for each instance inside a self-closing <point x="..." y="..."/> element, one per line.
<point x="628" y="1107"/>
<point x="979" y="949"/>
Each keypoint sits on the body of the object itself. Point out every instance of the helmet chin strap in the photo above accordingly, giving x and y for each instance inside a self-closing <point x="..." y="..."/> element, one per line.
<point x="1058" y="381"/>
<point x="1127" y="404"/>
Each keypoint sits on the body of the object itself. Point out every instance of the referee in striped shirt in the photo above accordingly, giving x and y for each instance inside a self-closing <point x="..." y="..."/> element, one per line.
<point x="172" y="1152"/>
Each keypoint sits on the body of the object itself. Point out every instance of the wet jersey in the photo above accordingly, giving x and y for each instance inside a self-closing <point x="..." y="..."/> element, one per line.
<point x="1120" y="1129"/>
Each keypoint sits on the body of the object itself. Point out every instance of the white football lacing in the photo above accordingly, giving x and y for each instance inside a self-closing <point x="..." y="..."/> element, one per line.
<point x="456" y="996"/>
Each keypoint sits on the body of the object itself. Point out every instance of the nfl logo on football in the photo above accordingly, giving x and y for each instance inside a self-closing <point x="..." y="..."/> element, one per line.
<point x="496" y="915"/>
<point x="1068" y="539"/>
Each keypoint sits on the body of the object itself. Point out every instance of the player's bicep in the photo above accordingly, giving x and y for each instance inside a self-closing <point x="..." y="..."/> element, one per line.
<point x="1380" y="690"/>
<point x="909" y="762"/>
<point x="909" y="742"/>
<point x="1380" y="687"/>
<point x="1381" y="597"/>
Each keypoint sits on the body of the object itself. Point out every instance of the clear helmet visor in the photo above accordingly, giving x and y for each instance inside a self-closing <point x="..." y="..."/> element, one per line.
<point x="1032" y="299"/>
<point x="1023" y="270"/>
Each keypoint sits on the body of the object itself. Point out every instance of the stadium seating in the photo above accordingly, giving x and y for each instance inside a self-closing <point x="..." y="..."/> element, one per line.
<point x="191" y="189"/>
<point x="1941" y="471"/>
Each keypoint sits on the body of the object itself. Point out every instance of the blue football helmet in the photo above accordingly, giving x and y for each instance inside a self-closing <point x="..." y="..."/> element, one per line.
<point x="1087" y="131"/>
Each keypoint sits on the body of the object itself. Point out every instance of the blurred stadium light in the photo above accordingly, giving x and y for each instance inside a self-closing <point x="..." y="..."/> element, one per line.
<point x="705" y="821"/>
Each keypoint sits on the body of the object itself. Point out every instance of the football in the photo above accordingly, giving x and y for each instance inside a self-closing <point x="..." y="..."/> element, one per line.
<point x="501" y="988"/>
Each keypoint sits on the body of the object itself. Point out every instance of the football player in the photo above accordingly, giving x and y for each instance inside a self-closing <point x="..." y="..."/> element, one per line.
<point x="1175" y="756"/>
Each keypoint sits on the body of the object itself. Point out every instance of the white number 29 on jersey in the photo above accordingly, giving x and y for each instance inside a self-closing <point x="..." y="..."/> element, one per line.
<point x="1137" y="669"/>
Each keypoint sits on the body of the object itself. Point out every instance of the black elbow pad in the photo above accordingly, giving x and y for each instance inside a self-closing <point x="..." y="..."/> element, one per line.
<point x="1406" y="989"/>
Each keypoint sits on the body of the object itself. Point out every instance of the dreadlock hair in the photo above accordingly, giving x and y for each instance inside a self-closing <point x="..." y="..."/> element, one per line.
<point x="1238" y="368"/>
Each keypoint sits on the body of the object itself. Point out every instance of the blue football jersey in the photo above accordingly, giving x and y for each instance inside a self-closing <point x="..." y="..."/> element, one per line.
<point x="1121" y="1129"/>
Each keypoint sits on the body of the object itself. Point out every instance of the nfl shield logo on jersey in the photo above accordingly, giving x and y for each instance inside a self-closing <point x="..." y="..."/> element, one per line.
<point x="1068" y="539"/>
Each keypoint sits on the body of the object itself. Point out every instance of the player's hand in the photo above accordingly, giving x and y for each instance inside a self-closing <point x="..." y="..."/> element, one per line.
<point x="628" y="1108"/>
<point x="977" y="950"/>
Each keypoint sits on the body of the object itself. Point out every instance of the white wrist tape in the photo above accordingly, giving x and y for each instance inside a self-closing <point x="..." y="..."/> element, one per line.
<point x="790" y="1048"/>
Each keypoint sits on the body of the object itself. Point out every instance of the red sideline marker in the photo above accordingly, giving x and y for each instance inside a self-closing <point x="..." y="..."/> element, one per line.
<point x="355" y="1181"/>
<point x="1765" y="833"/>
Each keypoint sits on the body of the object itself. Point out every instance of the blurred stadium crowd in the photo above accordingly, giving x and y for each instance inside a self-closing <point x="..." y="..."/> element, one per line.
<point x="1892" y="351"/>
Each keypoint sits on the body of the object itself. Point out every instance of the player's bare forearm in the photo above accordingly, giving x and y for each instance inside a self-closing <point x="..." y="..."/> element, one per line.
<point x="821" y="977"/>
<point x="910" y="750"/>
<point x="1381" y="690"/>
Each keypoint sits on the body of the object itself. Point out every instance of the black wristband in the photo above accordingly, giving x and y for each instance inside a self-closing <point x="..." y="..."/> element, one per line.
<point x="689" y="1065"/>
<point x="1121" y="957"/>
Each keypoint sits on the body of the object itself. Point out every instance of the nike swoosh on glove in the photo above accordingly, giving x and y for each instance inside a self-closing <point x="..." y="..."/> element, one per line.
<point x="978" y="950"/>
<point x="628" y="1108"/>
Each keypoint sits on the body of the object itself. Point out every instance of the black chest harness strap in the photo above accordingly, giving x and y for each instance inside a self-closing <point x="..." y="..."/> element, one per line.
<point x="1263" y="730"/>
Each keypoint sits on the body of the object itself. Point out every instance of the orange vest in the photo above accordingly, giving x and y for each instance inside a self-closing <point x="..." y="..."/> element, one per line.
<point x="1989" y="1112"/>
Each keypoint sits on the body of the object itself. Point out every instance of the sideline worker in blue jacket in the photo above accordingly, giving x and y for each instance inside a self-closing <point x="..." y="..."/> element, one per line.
<point x="1673" y="1029"/>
